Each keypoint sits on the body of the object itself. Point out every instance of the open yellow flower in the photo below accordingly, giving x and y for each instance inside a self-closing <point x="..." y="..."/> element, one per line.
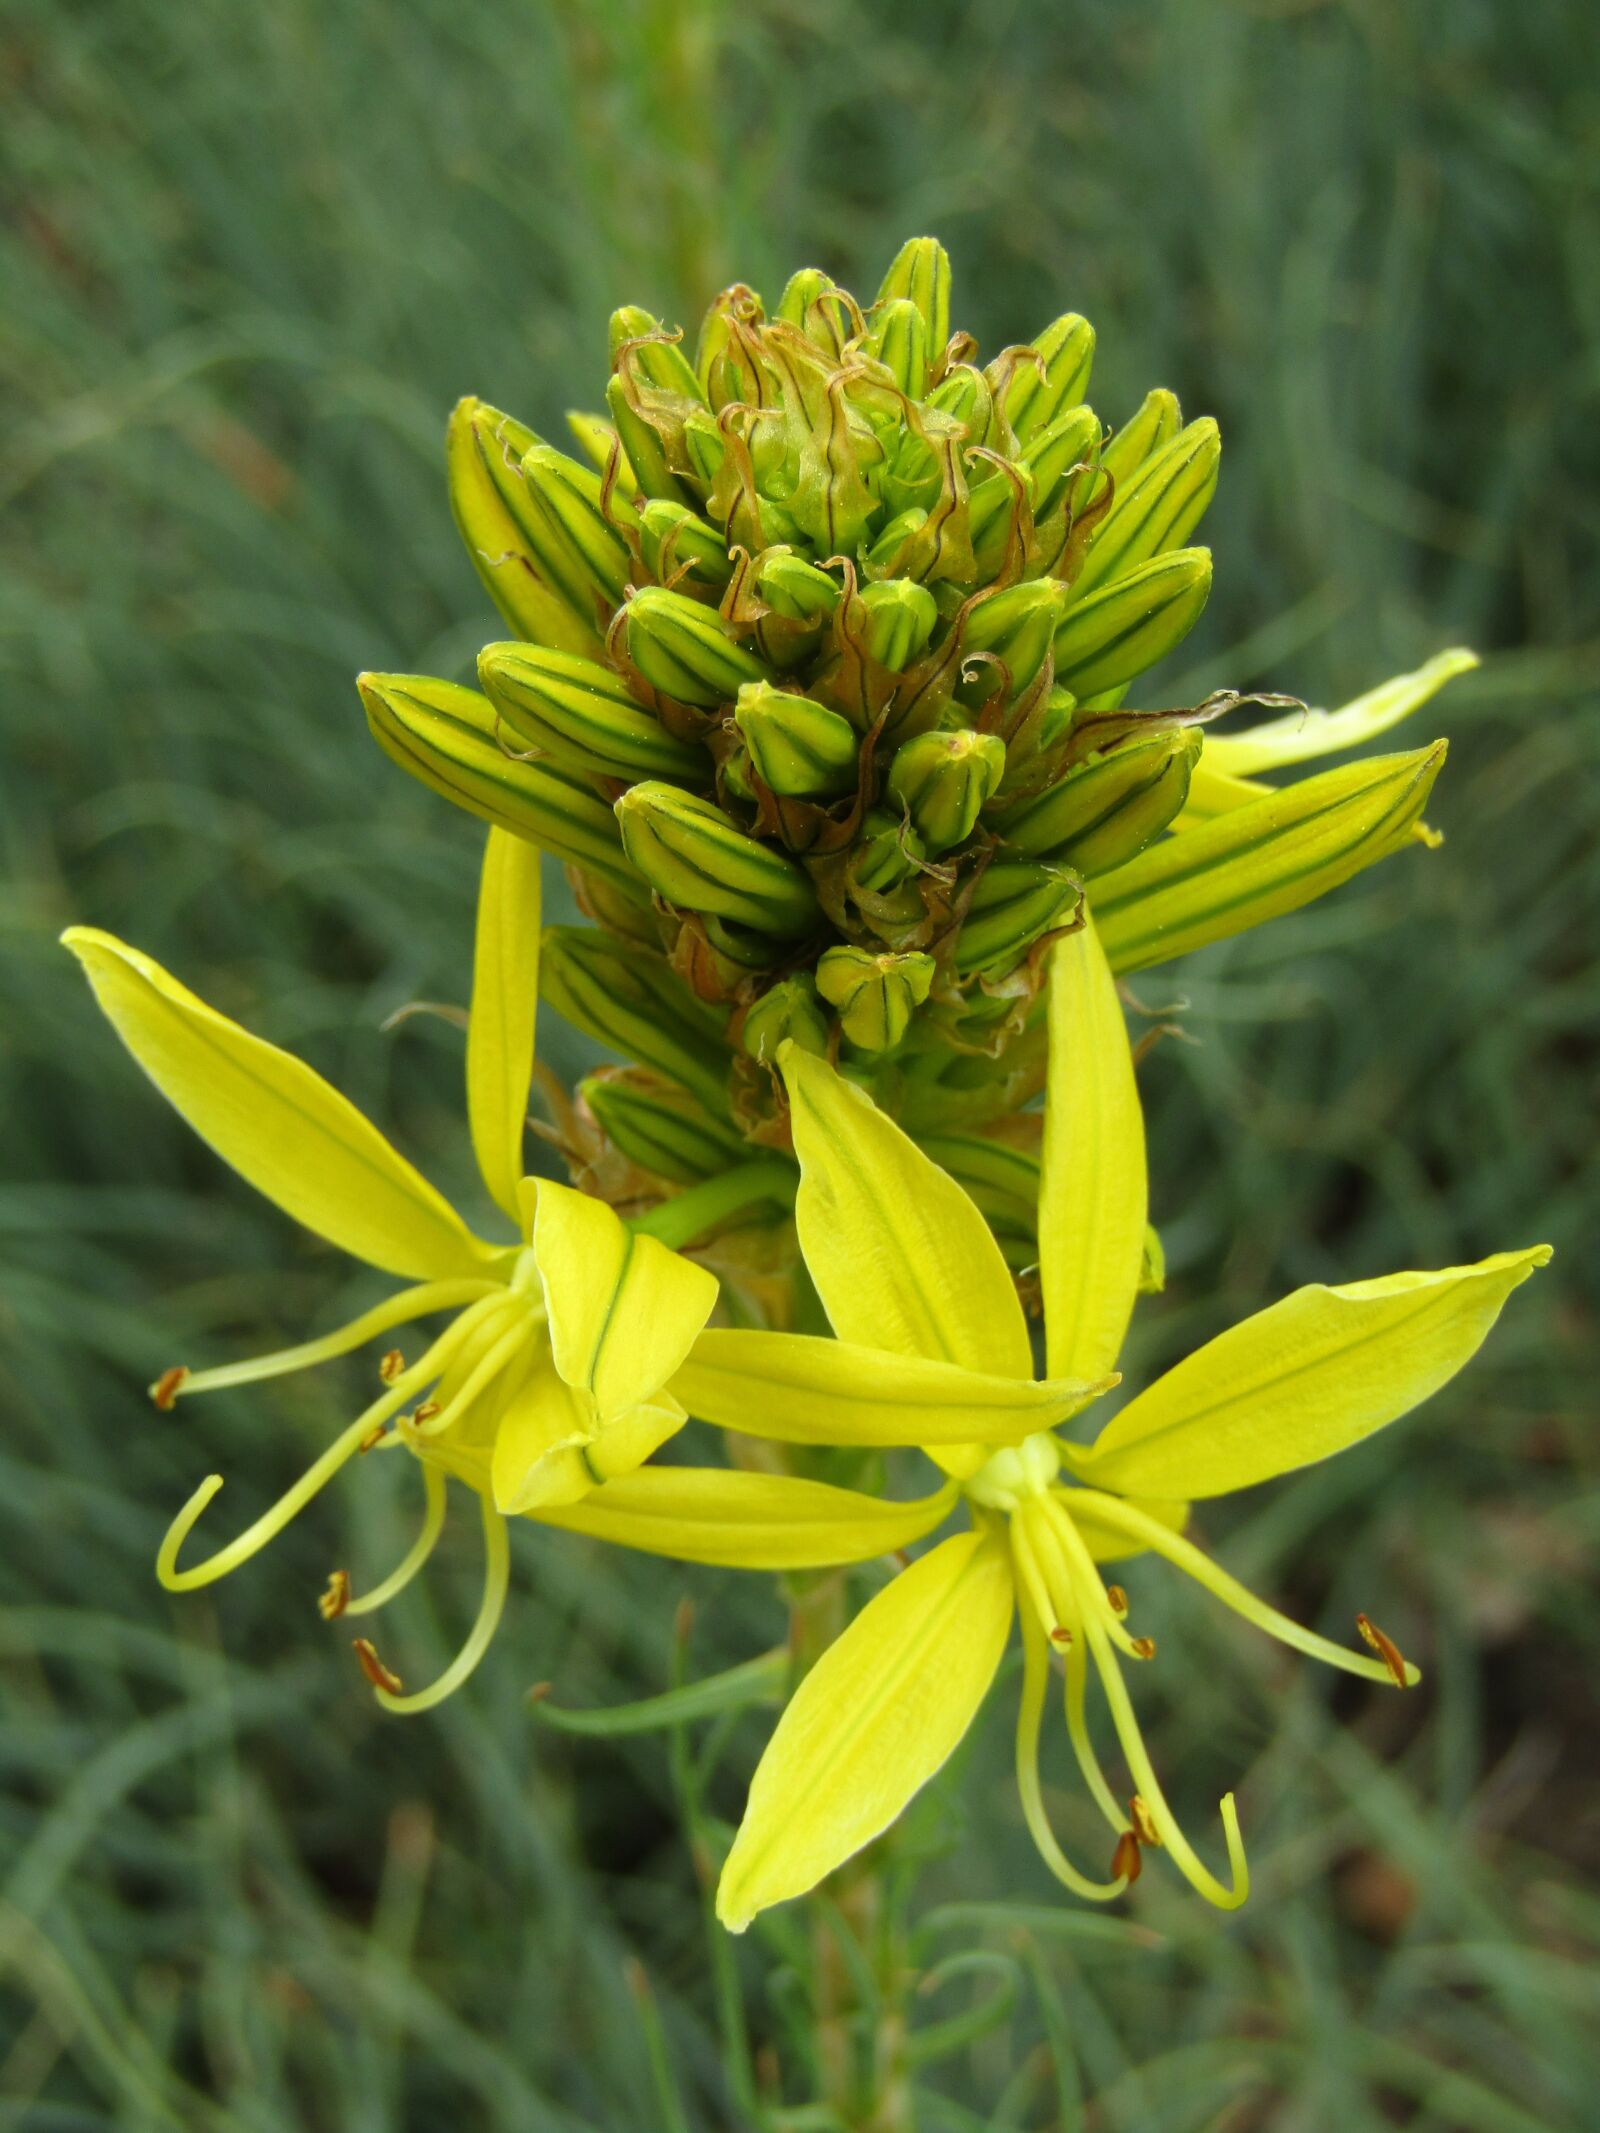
<point x="909" y="1272"/>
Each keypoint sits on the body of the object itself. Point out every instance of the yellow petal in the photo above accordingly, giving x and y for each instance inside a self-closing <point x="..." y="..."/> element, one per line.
<point x="541" y="1422"/>
<point x="624" y="1310"/>
<point x="1214" y="791"/>
<point x="505" y="993"/>
<point x="1304" y="735"/>
<point x="901" y="1257"/>
<point x="874" y="1719"/>
<point x="1302" y="1380"/>
<point x="281" y="1126"/>
<point x="747" y="1521"/>
<point x="1092" y="1191"/>
<point x="1260" y="860"/>
<point x="802" y="1389"/>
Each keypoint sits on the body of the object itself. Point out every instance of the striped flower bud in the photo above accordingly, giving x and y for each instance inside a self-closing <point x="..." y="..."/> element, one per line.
<point x="1103" y="812"/>
<point x="1017" y="626"/>
<point x="1040" y="392"/>
<point x="489" y="497"/>
<point x="1157" y="509"/>
<point x="900" y="620"/>
<point x="886" y="853"/>
<point x="682" y="648"/>
<point x="799" y="748"/>
<point x="787" y="1009"/>
<point x="1051" y="455"/>
<point x="657" y="1124"/>
<point x="577" y="544"/>
<point x="630" y="1000"/>
<point x="1131" y="623"/>
<point x="445" y="736"/>
<point x="943" y="779"/>
<point x="648" y="469"/>
<point x="1011" y="907"/>
<point x="795" y="589"/>
<point x="676" y="542"/>
<point x="920" y="273"/>
<point x="1155" y="423"/>
<point x="698" y="859"/>
<point x="876" y="995"/>
<point x="661" y="361"/>
<point x="579" y="712"/>
<point x="900" y="342"/>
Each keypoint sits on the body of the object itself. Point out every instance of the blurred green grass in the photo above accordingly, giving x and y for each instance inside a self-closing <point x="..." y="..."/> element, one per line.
<point x="249" y="257"/>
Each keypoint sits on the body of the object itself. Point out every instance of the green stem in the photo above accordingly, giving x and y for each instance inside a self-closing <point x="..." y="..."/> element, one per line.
<point x="690" y="1214"/>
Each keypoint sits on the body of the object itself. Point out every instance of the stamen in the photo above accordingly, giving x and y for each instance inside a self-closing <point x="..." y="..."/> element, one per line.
<point x="383" y="1680"/>
<point x="1400" y="1673"/>
<point x="417" y="1302"/>
<point x="1083" y="1746"/>
<point x="1116" y="1600"/>
<point x="415" y="1556"/>
<point x="374" y="1437"/>
<point x="336" y="1597"/>
<point x="497" y="1575"/>
<point x="1078" y="1570"/>
<point x="1143" y="1647"/>
<point x="424" y="1413"/>
<point x="391" y="1365"/>
<point x="1061" y="1635"/>
<point x="433" y="1420"/>
<point x="1143" y="1821"/>
<point x="167" y="1387"/>
<point x="1030" y="1714"/>
<point x="1127" y="1860"/>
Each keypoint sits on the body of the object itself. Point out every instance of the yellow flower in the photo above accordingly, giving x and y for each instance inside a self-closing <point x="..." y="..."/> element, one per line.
<point x="909" y="1273"/>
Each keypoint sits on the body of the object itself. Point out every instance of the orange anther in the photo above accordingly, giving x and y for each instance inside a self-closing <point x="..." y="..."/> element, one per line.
<point x="1387" y="1650"/>
<point x="1144" y="1647"/>
<point x="1126" y="1862"/>
<point x="424" y="1413"/>
<point x="336" y="1598"/>
<point x="1116" y="1599"/>
<point x="1143" y="1821"/>
<point x="374" y="1436"/>
<point x="373" y="1667"/>
<point x="1061" y="1635"/>
<point x="392" y="1366"/>
<point x="168" y="1386"/>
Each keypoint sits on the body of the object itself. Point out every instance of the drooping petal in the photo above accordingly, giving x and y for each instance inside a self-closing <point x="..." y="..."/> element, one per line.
<point x="624" y="1310"/>
<point x="802" y="1389"/>
<point x="505" y="995"/>
<point x="1304" y="735"/>
<point x="545" y="1417"/>
<point x="1302" y="1380"/>
<point x="901" y="1257"/>
<point x="285" y="1130"/>
<point x="871" y="1723"/>
<point x="1092" y="1188"/>
<point x="747" y="1521"/>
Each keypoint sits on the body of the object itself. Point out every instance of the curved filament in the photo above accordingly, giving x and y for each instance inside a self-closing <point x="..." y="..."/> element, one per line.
<point x="416" y="1555"/>
<point x="394" y="1311"/>
<point x="1082" y="1745"/>
<point x="1030" y="1715"/>
<point x="499" y="1353"/>
<point x="497" y="1575"/>
<point x="1078" y="1568"/>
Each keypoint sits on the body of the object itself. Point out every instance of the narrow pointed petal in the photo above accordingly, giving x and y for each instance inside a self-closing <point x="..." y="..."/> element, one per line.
<point x="285" y="1130"/>
<point x="901" y="1257"/>
<point x="1304" y="735"/>
<point x="802" y="1389"/>
<point x="505" y="995"/>
<point x="624" y="1310"/>
<point x="1301" y="1380"/>
<point x="747" y="1521"/>
<point x="876" y="1717"/>
<point x="1092" y="1189"/>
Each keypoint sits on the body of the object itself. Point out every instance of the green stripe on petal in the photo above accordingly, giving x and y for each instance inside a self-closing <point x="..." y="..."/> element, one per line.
<point x="505" y="997"/>
<point x="1301" y="1380"/>
<point x="285" y="1130"/>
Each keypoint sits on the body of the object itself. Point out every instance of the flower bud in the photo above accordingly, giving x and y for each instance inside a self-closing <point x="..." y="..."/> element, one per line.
<point x="673" y="539"/>
<point x="991" y="515"/>
<point x="888" y="542"/>
<point x="484" y="450"/>
<point x="627" y="998"/>
<point x="698" y="859"/>
<point x="659" y="1125"/>
<point x="1018" y="626"/>
<point x="1011" y="907"/>
<point x="1052" y="453"/>
<point x="795" y="589"/>
<point x="900" y="619"/>
<point x="446" y="737"/>
<point x="943" y="779"/>
<point x="1155" y="423"/>
<point x="1066" y="351"/>
<point x="596" y="438"/>
<point x="575" y="546"/>
<point x="787" y="1009"/>
<point x="886" y="852"/>
<point x="811" y="301"/>
<point x="1103" y="812"/>
<point x="1131" y="623"/>
<point x="579" y="712"/>
<point x="799" y="748"/>
<point x="1158" y="508"/>
<point x="649" y="471"/>
<point x="876" y="995"/>
<point x="683" y="648"/>
<point x="900" y="341"/>
<point x="921" y="274"/>
<point x="661" y="362"/>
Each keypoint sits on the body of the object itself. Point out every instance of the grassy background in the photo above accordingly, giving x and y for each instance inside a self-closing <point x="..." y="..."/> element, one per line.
<point x="249" y="257"/>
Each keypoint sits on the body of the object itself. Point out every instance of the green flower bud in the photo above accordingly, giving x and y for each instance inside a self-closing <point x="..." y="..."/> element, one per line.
<point x="683" y="648"/>
<point x="887" y="545"/>
<point x="795" y="589"/>
<point x="1051" y="454"/>
<point x="705" y="448"/>
<point x="991" y="515"/>
<point x="1156" y="422"/>
<point x="1158" y="508"/>
<point x="787" y="1009"/>
<point x="1016" y="625"/>
<point x="446" y="737"/>
<point x="575" y="546"/>
<point x="659" y="1125"/>
<point x="876" y="995"/>
<point x="900" y="619"/>
<point x="799" y="748"/>
<point x="661" y="363"/>
<point x="699" y="859"/>
<point x="1011" y="906"/>
<point x="810" y="300"/>
<point x="1066" y="351"/>
<point x="649" y="471"/>
<point x="489" y="497"/>
<point x="1103" y="812"/>
<point x="671" y="537"/>
<point x="886" y="852"/>
<point x="921" y="274"/>
<point x="900" y="340"/>
<point x="943" y="780"/>
<point x="1129" y="624"/>
<point x="579" y="712"/>
<point x="629" y="999"/>
<point x="596" y="439"/>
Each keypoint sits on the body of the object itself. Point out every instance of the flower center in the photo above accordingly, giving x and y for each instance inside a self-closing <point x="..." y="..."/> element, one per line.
<point x="1015" y="1473"/>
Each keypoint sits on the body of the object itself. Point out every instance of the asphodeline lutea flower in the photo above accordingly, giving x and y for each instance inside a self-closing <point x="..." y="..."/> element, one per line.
<point x="908" y="1271"/>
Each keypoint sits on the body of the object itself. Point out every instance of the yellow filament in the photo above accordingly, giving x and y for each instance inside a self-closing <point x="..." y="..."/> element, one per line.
<point x="1082" y="1745"/>
<point x="1030" y="1715"/>
<point x="1138" y="1525"/>
<point x="1083" y="1579"/>
<point x="394" y="1311"/>
<point x="418" y="1553"/>
<point x="1184" y="1856"/>
<point x="497" y="1575"/>
<point x="504" y="1347"/>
